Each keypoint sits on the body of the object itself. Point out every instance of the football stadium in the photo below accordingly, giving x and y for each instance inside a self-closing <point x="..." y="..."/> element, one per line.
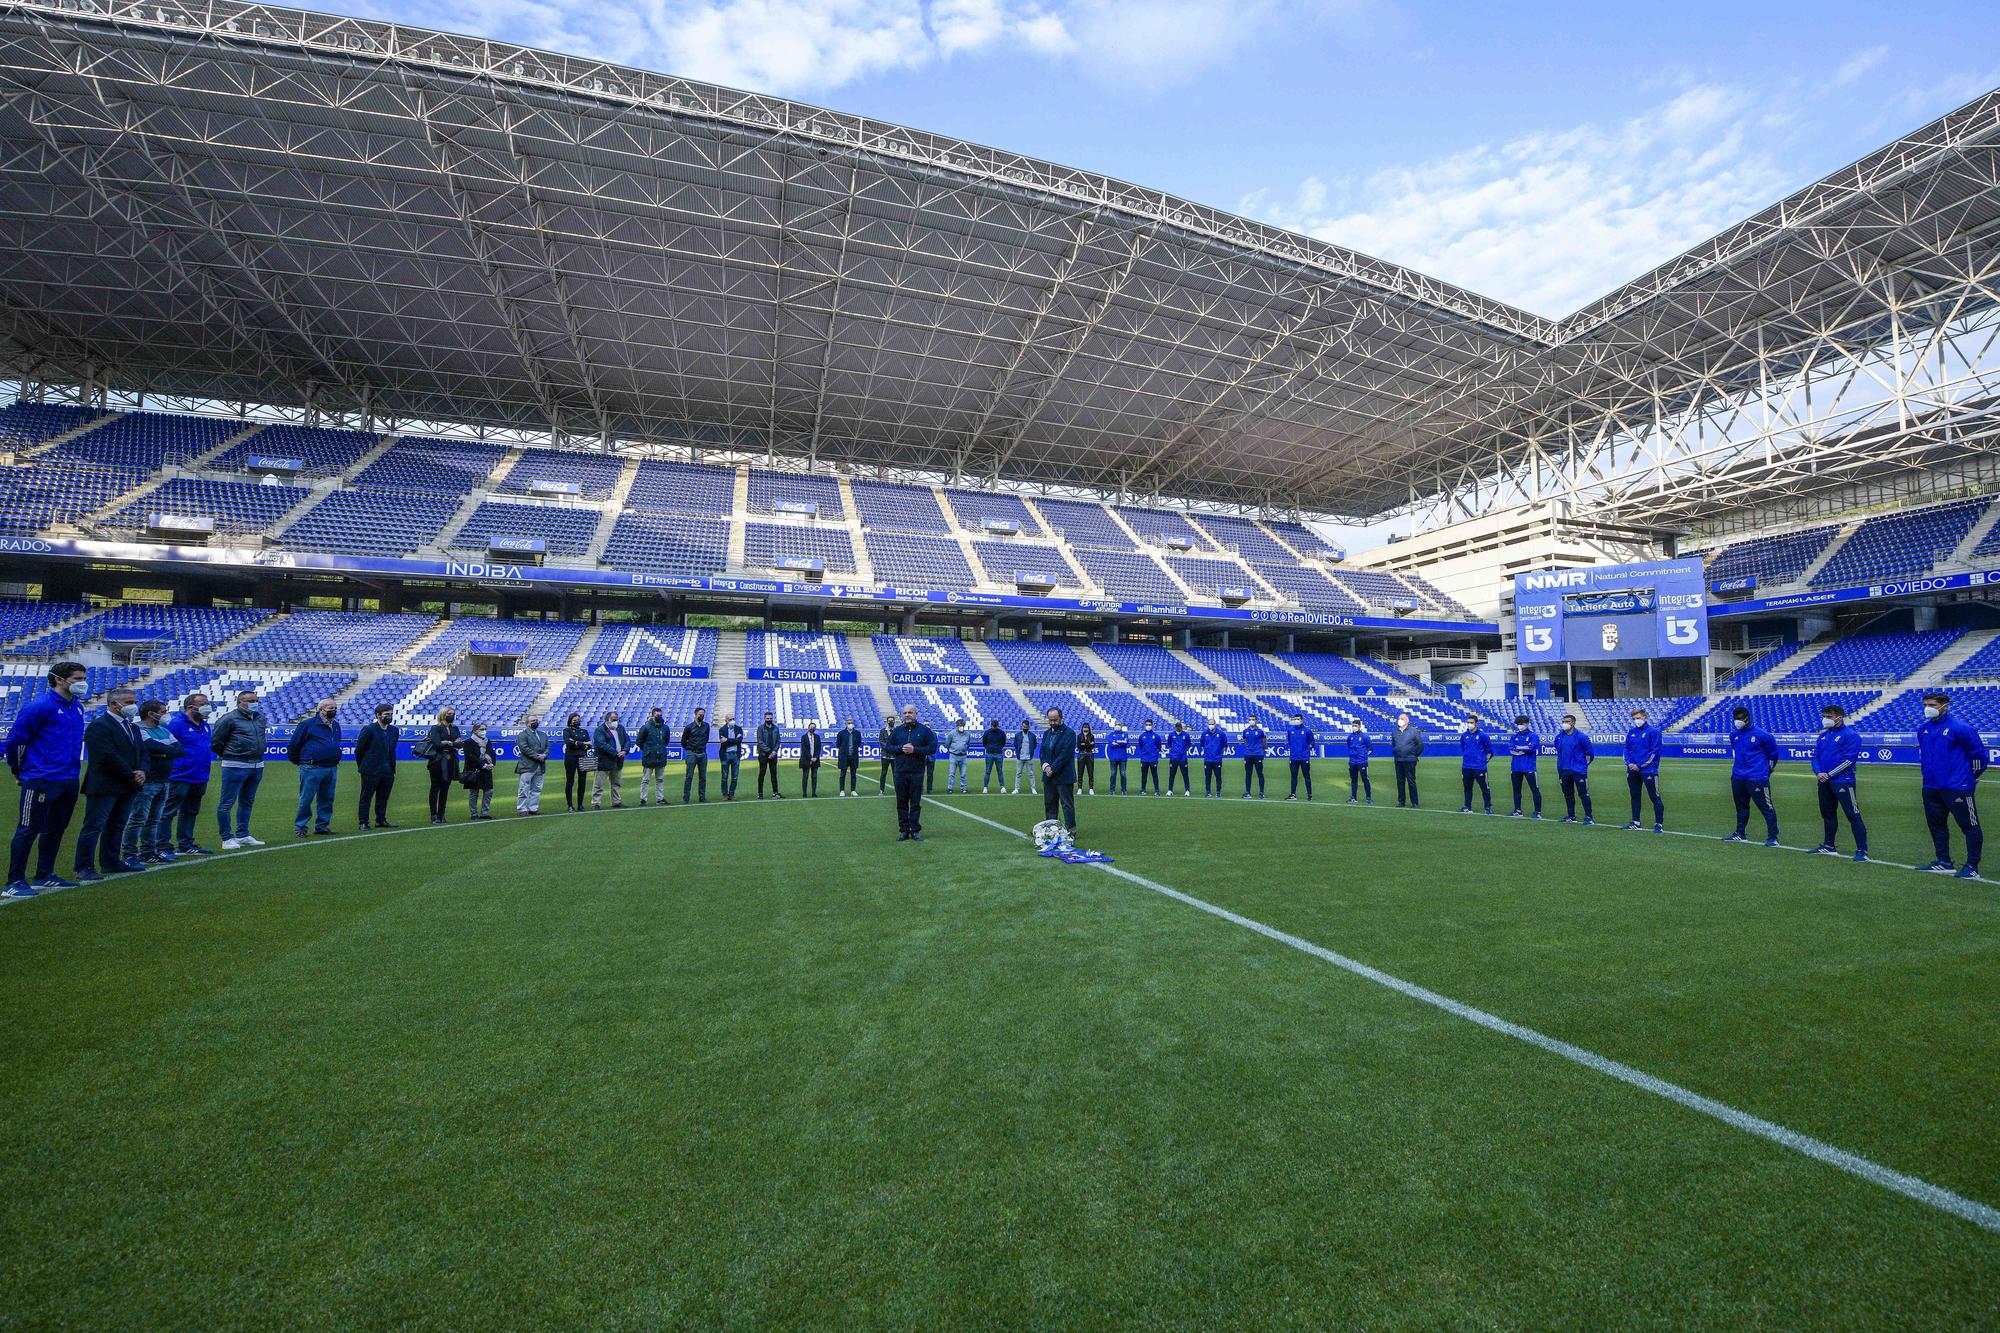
<point x="1012" y="865"/>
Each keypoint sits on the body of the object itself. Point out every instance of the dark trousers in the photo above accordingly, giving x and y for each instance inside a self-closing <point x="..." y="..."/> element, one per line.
<point x="1576" y="786"/>
<point x="729" y="768"/>
<point x="440" y="793"/>
<point x="183" y="806"/>
<point x="1834" y="801"/>
<point x="1178" y="766"/>
<point x="1358" y="773"/>
<point x="98" y="841"/>
<point x="1534" y="785"/>
<point x="809" y="780"/>
<point x="375" y="789"/>
<point x="930" y="774"/>
<point x="848" y="775"/>
<point x="1211" y="777"/>
<point x="1149" y="772"/>
<point x="1649" y="783"/>
<point x="1302" y="768"/>
<point x="910" y="800"/>
<point x="576" y="783"/>
<point x="1406" y="781"/>
<point x="1059" y="801"/>
<point x="1747" y="793"/>
<point x="767" y="763"/>
<point x="696" y="781"/>
<point x="1469" y="776"/>
<point x="882" y="779"/>
<point x="44" y="816"/>
<point x="1941" y="806"/>
<point x="1116" y="782"/>
<point x="1086" y="772"/>
<point x="1253" y="767"/>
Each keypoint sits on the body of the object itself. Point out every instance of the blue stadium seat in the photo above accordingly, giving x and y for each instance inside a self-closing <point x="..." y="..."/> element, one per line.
<point x="1129" y="576"/>
<point x="1007" y="561"/>
<point x="237" y="506"/>
<point x="664" y="486"/>
<point x="323" y="452"/>
<point x="1772" y="561"/>
<point x="1043" y="663"/>
<point x="185" y="631"/>
<point x="594" y="475"/>
<point x="769" y="545"/>
<point x="1784" y="714"/>
<point x="771" y="491"/>
<point x="1240" y="666"/>
<point x="652" y="645"/>
<point x="566" y="528"/>
<point x="358" y="522"/>
<point x="349" y="638"/>
<point x="893" y="507"/>
<point x="798" y="702"/>
<point x="1081" y="523"/>
<point x="924" y="653"/>
<point x="1147" y="665"/>
<point x="923" y="562"/>
<point x="668" y="544"/>
<point x="436" y="467"/>
<point x="974" y="508"/>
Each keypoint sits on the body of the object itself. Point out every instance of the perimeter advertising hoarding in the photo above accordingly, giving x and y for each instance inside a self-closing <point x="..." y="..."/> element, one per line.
<point x="1658" y="608"/>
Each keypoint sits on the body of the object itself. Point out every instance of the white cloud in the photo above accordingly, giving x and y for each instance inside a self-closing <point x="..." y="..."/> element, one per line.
<point x="1549" y="221"/>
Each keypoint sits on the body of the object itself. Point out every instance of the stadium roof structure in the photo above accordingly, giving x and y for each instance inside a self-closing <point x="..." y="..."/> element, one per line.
<point x="250" y="203"/>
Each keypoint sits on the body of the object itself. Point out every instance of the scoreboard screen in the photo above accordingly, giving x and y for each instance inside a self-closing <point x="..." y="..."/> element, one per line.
<point x="1612" y="613"/>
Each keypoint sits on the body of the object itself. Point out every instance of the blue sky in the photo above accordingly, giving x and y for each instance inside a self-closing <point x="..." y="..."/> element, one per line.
<point x="1538" y="153"/>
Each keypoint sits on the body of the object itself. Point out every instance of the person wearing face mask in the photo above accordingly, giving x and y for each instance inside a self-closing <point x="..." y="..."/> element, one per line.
<point x="117" y="771"/>
<point x="315" y="748"/>
<point x="1254" y="742"/>
<point x="768" y="738"/>
<point x="655" y="736"/>
<point x="238" y="740"/>
<point x="478" y="778"/>
<point x="1360" y="746"/>
<point x="1406" y="746"/>
<point x="1299" y="746"/>
<point x="812" y="750"/>
<point x="1950" y="758"/>
<point x="576" y="761"/>
<point x="531" y="766"/>
<point x="1753" y="754"/>
<point x="882" y="773"/>
<point x="694" y="758"/>
<point x="1474" y="750"/>
<point x="189" y="782"/>
<point x="1117" y="754"/>
<point x="729" y="754"/>
<point x="1025" y="749"/>
<point x="1178" y="746"/>
<point x="610" y="743"/>
<point x="993" y="744"/>
<point x="1086" y="760"/>
<point x="439" y="751"/>
<point x="375" y="762"/>
<point x="1214" y="745"/>
<point x="1642" y="769"/>
<point x="847" y="759"/>
<point x="42" y="747"/>
<point x="1148" y="749"/>
<point x="1573" y="755"/>
<point x="958" y="751"/>
<point x="1524" y="750"/>
<point x="148" y="836"/>
<point x="1836" y="756"/>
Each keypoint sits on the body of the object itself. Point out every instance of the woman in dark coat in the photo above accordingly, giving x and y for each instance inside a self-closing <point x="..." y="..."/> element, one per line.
<point x="576" y="744"/>
<point x="442" y="741"/>
<point x="1086" y="760"/>
<point x="478" y="777"/>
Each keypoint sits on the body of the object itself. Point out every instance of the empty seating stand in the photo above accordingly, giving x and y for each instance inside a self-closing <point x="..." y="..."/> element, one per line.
<point x="894" y="507"/>
<point x="549" y="642"/>
<point x="1031" y="663"/>
<point x="771" y="493"/>
<point x="668" y="544"/>
<point x="566" y="529"/>
<point x="438" y="467"/>
<point x="1772" y="561"/>
<point x="358" y="522"/>
<point x="26" y="425"/>
<point x="1126" y="574"/>
<point x="663" y="486"/>
<point x="241" y="508"/>
<point x="1309" y="588"/>
<point x="1084" y="524"/>
<point x="653" y="645"/>
<point x="924" y="562"/>
<point x="1251" y="670"/>
<point x="1785" y="714"/>
<point x="1145" y="665"/>
<point x="182" y="631"/>
<point x="1244" y="537"/>
<point x="1007" y="562"/>
<point x="1163" y="526"/>
<point x="349" y="638"/>
<point x="319" y="452"/>
<point x="976" y="508"/>
<point x="770" y="545"/>
<point x="595" y="476"/>
<point x="1209" y="575"/>
<point x="1900" y="545"/>
<point x="146" y="441"/>
<point x="1871" y="657"/>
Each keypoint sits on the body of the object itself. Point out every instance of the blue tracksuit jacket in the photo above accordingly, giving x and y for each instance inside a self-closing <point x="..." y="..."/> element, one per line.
<point x="1574" y="752"/>
<point x="1299" y="742"/>
<point x="196" y="754"/>
<point x="1523" y="749"/>
<point x="1177" y="746"/>
<point x="1753" y="752"/>
<point x="1253" y="741"/>
<point x="1837" y="753"/>
<point x="1642" y="747"/>
<point x="1117" y="744"/>
<point x="1359" y="747"/>
<point x="1950" y="755"/>
<point x="45" y="743"/>
<point x="1474" y="750"/>
<point x="1213" y="745"/>
<point x="1148" y="746"/>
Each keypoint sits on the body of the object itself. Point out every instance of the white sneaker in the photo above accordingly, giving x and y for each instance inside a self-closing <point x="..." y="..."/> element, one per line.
<point x="249" y="841"/>
<point x="230" y="844"/>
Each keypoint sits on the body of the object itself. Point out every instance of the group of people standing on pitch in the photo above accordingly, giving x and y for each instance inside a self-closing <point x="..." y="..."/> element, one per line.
<point x="1180" y="747"/>
<point x="909" y="755"/>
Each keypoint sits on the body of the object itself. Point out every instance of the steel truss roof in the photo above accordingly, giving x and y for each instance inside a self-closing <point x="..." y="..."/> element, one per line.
<point x="245" y="202"/>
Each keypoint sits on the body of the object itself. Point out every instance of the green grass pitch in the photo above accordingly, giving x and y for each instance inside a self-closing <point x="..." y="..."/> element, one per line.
<point x="760" y="1064"/>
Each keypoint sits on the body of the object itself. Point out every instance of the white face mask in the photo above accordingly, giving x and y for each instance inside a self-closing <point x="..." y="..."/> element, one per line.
<point x="200" y="712"/>
<point x="1743" y="724"/>
<point x="1931" y="711"/>
<point x="1569" y="726"/>
<point x="128" y="711"/>
<point x="1638" y="721"/>
<point x="1829" y="723"/>
<point x="73" y="689"/>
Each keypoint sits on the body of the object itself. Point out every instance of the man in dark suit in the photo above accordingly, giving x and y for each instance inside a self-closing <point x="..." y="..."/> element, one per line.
<point x="113" y="780"/>
<point x="375" y="761"/>
<point x="847" y="759"/>
<point x="812" y="746"/>
<point x="911" y="745"/>
<point x="1059" y="771"/>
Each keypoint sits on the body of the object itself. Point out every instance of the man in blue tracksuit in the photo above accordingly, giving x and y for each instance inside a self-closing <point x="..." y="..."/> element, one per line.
<point x="1299" y="746"/>
<point x="1950" y="758"/>
<point x="1178" y="746"/>
<point x="1359" y="746"/>
<point x="1149" y="757"/>
<point x="1642" y="769"/>
<point x="1254" y="741"/>
<point x="1524" y="750"/>
<point x="45" y="752"/>
<point x="1753" y="754"/>
<point x="1474" y="750"/>
<point x="1117" y="753"/>
<point x="1836" y="756"/>
<point x="1214" y="744"/>
<point x="1573" y="755"/>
